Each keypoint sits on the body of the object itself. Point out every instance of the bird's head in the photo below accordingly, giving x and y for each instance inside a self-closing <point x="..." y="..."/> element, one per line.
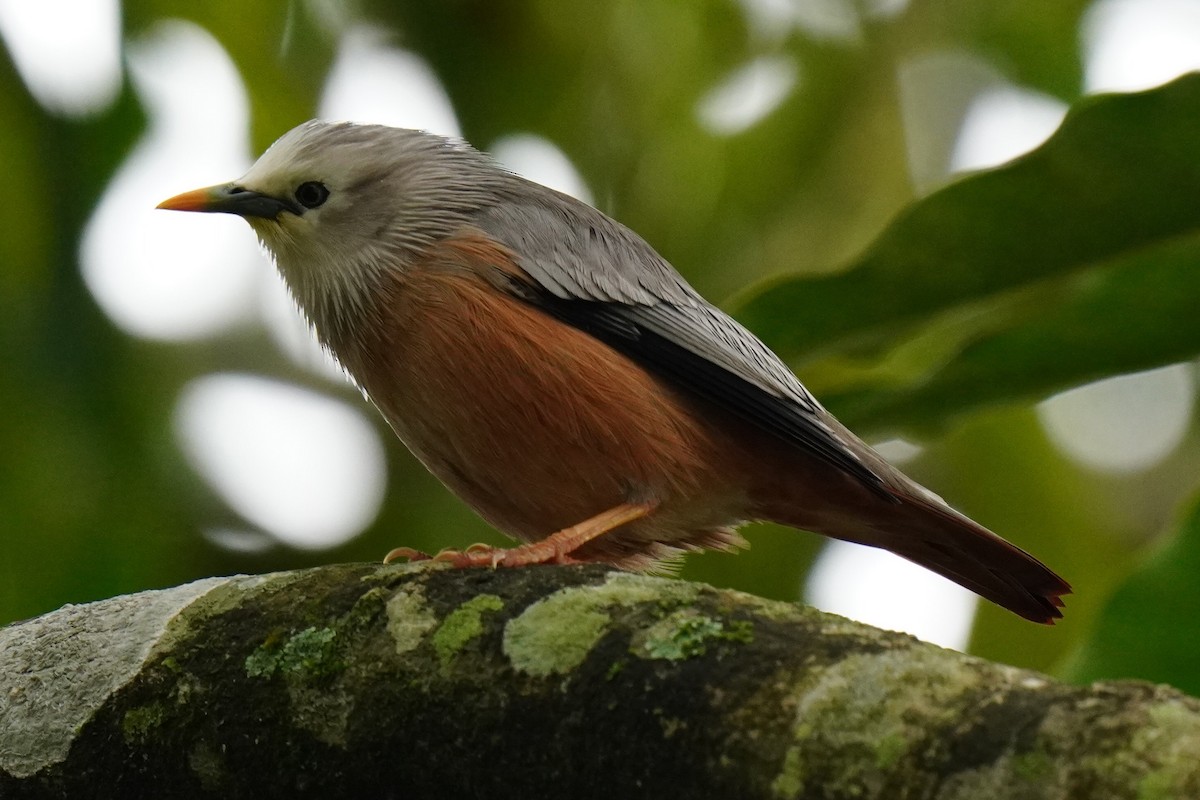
<point x="343" y="206"/>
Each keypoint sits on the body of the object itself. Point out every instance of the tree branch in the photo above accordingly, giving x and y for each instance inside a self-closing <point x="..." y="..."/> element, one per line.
<point x="416" y="681"/>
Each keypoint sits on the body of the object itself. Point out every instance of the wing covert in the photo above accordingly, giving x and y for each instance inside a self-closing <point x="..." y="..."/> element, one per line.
<point x="600" y="277"/>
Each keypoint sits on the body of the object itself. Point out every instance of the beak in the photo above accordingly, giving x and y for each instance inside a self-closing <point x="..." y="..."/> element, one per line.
<point x="229" y="198"/>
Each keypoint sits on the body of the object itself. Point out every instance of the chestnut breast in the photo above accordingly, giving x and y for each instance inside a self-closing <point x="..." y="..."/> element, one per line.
<point x="535" y="424"/>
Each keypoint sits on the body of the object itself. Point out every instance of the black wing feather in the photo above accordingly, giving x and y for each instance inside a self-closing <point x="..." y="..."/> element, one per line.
<point x="632" y="330"/>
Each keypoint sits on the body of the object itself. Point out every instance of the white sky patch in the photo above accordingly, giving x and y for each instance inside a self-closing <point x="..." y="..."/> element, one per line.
<point x="374" y="82"/>
<point x="540" y="160"/>
<point x="165" y="274"/>
<point x="68" y="52"/>
<point x="884" y="9"/>
<point x="835" y="20"/>
<point x="771" y="19"/>
<point x="936" y="89"/>
<point x="898" y="451"/>
<point x="306" y="468"/>
<point x="774" y="20"/>
<point x="878" y="588"/>
<point x="1002" y="123"/>
<point x="239" y="541"/>
<point x="1131" y="45"/>
<point x="1123" y="424"/>
<point x="748" y="95"/>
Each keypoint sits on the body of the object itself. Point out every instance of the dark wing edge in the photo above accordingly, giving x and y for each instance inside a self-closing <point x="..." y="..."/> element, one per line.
<point x="649" y="336"/>
<point x="598" y="276"/>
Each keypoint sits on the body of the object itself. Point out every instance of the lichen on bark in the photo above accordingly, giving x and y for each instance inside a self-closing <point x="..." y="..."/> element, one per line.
<point x="420" y="681"/>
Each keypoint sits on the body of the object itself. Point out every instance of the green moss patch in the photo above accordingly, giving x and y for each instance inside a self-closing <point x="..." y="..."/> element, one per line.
<point x="686" y="634"/>
<point x="555" y="634"/>
<point x="138" y="723"/>
<point x="309" y="654"/>
<point x="462" y="625"/>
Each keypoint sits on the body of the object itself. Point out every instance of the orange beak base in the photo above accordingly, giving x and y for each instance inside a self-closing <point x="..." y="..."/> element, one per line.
<point x="229" y="198"/>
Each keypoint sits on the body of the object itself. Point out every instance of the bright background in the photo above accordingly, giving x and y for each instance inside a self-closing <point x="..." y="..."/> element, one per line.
<point x="1022" y="339"/>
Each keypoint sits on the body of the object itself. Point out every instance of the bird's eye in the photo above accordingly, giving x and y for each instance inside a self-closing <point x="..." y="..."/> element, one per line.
<point x="311" y="194"/>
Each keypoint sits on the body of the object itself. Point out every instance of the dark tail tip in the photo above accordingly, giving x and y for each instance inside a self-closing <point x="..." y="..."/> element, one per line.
<point x="951" y="544"/>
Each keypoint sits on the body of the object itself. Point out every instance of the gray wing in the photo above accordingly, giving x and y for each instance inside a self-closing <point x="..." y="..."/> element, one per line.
<point x="600" y="277"/>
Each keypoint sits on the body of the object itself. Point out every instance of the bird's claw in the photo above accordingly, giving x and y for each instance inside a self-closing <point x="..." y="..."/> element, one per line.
<point x="407" y="553"/>
<point x="476" y="555"/>
<point x="486" y="555"/>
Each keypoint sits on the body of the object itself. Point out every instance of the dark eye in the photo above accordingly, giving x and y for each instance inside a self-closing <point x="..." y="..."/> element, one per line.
<point x="311" y="194"/>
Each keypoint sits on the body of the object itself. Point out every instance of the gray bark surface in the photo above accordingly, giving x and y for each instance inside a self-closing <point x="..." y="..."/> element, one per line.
<point x="411" y="681"/>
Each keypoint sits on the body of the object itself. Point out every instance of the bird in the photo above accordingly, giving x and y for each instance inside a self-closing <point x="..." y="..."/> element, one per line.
<point x="558" y="375"/>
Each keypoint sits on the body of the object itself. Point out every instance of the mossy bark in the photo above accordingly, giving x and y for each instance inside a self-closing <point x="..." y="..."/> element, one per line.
<point x="365" y="681"/>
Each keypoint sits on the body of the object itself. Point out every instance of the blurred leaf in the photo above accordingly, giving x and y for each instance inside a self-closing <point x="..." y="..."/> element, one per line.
<point x="86" y="504"/>
<point x="1033" y="42"/>
<point x="1107" y="321"/>
<point x="773" y="566"/>
<point x="1147" y="630"/>
<point x="617" y="86"/>
<point x="1102" y="211"/>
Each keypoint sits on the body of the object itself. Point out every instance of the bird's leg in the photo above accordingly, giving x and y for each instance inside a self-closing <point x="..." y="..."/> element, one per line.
<point x="554" y="549"/>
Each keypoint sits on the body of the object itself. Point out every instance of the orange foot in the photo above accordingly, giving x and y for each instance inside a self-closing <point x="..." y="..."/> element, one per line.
<point x="485" y="555"/>
<point x="554" y="549"/>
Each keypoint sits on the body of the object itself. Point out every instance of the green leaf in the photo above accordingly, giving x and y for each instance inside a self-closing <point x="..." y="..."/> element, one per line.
<point x="1148" y="628"/>
<point x="1134" y="314"/>
<point x="1042" y="255"/>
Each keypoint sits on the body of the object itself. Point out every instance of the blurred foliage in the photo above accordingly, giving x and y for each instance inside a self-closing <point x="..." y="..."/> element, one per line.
<point x="943" y="317"/>
<point x="1145" y="628"/>
<point x="983" y="317"/>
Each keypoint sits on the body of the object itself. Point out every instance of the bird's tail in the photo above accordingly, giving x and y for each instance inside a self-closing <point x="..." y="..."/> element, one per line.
<point x="928" y="532"/>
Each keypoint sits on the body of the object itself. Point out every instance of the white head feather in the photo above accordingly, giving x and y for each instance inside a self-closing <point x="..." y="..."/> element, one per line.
<point x="391" y="193"/>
